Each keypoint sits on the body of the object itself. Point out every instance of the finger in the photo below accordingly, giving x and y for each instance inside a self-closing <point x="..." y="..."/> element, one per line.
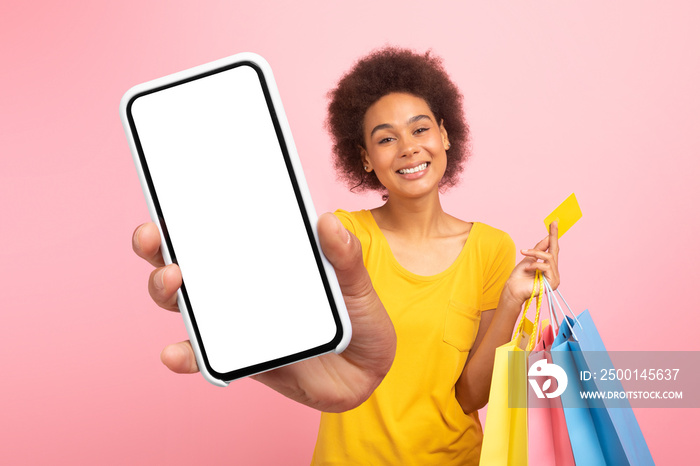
<point x="344" y="252"/>
<point x="373" y="343"/>
<point x="541" y="266"/>
<point x="179" y="358"/>
<point x="554" y="239"/>
<point x="542" y="255"/>
<point x="163" y="285"/>
<point x="549" y="272"/>
<point x="543" y="244"/>
<point x="146" y="244"/>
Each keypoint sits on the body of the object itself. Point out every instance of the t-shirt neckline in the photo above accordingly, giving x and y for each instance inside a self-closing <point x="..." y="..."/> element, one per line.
<point x="407" y="272"/>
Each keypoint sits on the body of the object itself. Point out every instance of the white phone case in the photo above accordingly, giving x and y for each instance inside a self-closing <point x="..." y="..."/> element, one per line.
<point x="211" y="150"/>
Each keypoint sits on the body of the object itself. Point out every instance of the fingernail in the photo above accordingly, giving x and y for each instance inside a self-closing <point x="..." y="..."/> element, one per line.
<point x="137" y="236"/>
<point x="159" y="278"/>
<point x="342" y="231"/>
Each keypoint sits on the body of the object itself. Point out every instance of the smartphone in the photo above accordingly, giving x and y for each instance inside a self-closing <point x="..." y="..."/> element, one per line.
<point x="223" y="182"/>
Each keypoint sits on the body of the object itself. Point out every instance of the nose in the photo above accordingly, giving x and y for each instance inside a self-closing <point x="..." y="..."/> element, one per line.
<point x="409" y="146"/>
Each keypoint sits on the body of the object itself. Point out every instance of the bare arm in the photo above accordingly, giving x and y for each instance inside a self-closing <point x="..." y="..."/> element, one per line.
<point x="496" y="328"/>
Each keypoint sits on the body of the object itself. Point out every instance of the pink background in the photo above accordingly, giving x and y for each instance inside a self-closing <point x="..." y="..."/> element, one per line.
<point x="598" y="98"/>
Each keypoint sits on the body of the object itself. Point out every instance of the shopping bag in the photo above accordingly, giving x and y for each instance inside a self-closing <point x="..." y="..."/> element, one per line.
<point x="600" y="432"/>
<point x="505" y="431"/>
<point x="579" y="423"/>
<point x="620" y="434"/>
<point x="548" y="439"/>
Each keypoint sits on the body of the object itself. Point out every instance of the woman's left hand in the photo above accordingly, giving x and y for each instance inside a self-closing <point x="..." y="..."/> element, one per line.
<point x="543" y="257"/>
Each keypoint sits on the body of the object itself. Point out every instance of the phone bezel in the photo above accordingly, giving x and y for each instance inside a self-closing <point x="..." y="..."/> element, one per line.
<point x="339" y="341"/>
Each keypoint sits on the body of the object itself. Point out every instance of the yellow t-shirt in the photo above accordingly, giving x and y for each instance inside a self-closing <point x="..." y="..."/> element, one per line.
<point x="413" y="417"/>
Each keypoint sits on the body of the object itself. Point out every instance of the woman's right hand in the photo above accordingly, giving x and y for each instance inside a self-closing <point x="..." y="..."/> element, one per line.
<point x="331" y="382"/>
<point x="544" y="257"/>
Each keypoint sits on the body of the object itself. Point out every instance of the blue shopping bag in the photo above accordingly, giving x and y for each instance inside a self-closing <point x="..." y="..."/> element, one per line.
<point x="616" y="419"/>
<point x="598" y="428"/>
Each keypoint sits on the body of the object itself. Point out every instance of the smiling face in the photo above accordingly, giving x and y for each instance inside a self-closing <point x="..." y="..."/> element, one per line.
<point x="404" y="145"/>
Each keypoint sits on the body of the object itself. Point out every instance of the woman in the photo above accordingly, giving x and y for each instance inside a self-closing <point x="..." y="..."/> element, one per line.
<point x="431" y="293"/>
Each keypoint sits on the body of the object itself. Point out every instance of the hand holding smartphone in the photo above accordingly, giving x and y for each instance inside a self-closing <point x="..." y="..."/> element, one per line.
<point x="212" y="147"/>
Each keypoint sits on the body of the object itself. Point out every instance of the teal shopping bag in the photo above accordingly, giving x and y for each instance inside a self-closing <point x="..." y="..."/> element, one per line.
<point x="615" y="418"/>
<point x="598" y="428"/>
<point x="583" y="436"/>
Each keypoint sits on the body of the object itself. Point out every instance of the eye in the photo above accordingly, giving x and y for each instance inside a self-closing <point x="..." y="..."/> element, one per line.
<point x="385" y="140"/>
<point x="420" y="130"/>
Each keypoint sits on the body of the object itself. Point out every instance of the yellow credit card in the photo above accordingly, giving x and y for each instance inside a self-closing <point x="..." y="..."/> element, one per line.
<point x="567" y="214"/>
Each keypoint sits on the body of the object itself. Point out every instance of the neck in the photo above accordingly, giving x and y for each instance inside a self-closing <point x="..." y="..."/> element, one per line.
<point x="417" y="218"/>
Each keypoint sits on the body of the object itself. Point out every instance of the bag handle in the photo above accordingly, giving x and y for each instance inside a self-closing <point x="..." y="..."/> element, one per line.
<point x="553" y="318"/>
<point x="521" y="324"/>
<point x="536" y="325"/>
<point x="538" y="281"/>
<point x="539" y="322"/>
<point x="561" y="309"/>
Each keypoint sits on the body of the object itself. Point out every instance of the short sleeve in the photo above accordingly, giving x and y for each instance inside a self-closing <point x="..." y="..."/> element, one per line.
<point x="356" y="223"/>
<point x="346" y="219"/>
<point x="499" y="265"/>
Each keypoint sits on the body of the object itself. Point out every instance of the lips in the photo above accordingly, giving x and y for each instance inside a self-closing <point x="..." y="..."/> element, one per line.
<point x="416" y="169"/>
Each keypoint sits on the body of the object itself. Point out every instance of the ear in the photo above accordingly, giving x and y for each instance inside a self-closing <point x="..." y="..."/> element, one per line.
<point x="443" y="132"/>
<point x="366" y="162"/>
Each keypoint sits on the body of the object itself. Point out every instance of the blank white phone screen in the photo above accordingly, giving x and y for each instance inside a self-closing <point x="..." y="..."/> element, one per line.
<point x="219" y="174"/>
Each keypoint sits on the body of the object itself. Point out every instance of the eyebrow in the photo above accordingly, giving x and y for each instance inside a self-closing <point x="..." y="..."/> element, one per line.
<point x="413" y="119"/>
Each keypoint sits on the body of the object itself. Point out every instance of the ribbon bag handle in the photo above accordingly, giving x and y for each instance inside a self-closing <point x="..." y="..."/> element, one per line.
<point x="521" y="324"/>
<point x="536" y="325"/>
<point x="561" y="309"/>
<point x="553" y="317"/>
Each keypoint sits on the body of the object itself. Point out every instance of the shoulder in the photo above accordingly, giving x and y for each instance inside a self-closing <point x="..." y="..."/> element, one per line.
<point x="349" y="219"/>
<point x="492" y="242"/>
<point x="490" y="236"/>
<point x="353" y="221"/>
<point x="360" y="223"/>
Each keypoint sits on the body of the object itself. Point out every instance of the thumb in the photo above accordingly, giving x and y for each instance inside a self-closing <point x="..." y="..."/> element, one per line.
<point x="179" y="358"/>
<point x="373" y="341"/>
<point x="344" y="252"/>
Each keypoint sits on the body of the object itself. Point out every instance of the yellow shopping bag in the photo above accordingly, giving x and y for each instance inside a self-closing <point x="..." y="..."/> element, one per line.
<point x="505" y="432"/>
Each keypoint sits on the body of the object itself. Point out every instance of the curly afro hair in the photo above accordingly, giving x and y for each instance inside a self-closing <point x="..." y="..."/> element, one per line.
<point x="383" y="72"/>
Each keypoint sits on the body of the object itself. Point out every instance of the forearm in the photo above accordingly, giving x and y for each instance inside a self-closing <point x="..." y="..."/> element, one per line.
<point x="473" y="386"/>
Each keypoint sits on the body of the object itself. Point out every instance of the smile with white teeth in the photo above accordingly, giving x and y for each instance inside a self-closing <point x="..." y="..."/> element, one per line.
<point x="419" y="168"/>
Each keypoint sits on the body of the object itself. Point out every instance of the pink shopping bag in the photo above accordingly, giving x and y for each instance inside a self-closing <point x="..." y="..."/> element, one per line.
<point x="548" y="437"/>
